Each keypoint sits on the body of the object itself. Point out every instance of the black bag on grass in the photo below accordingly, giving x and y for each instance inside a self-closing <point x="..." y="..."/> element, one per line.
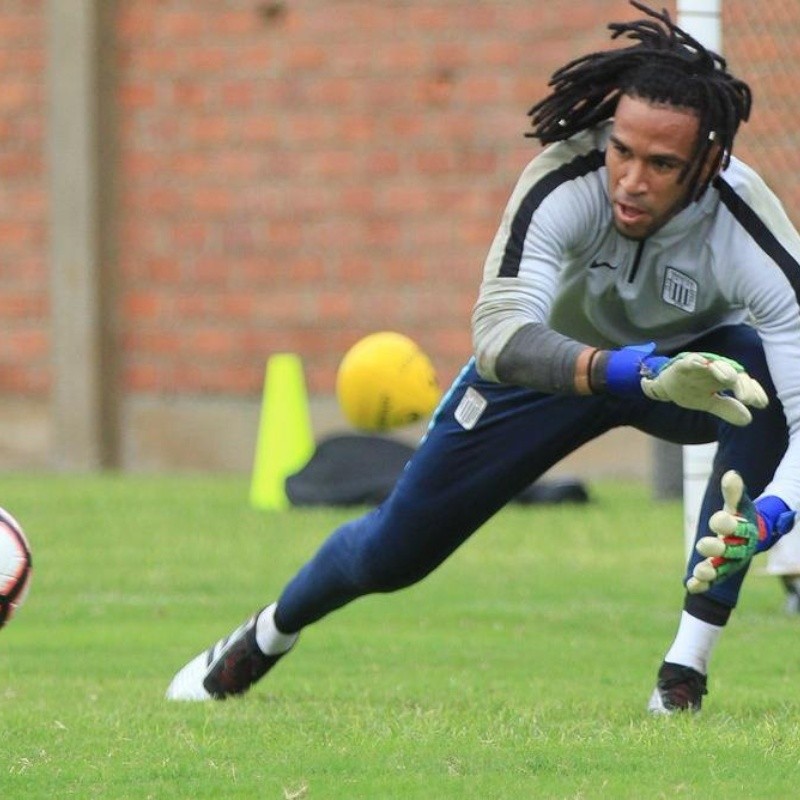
<point x="354" y="469"/>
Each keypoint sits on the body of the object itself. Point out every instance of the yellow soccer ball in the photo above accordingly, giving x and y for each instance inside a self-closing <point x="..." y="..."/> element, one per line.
<point x="385" y="381"/>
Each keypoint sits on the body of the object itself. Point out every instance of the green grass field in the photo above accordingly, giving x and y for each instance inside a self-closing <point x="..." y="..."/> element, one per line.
<point x="520" y="669"/>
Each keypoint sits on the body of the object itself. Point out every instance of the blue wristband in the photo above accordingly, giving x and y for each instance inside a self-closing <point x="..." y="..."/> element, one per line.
<point x="626" y="367"/>
<point x="777" y="516"/>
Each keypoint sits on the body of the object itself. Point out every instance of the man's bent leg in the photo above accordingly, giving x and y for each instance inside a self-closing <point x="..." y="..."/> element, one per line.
<point x="754" y="451"/>
<point x="458" y="479"/>
<point x="486" y="443"/>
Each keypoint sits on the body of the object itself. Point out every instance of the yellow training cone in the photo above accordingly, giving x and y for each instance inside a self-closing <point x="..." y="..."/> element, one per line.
<point x="285" y="441"/>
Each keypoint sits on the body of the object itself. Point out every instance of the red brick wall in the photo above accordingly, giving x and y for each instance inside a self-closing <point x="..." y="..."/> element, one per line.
<point x="24" y="327"/>
<point x="762" y="43"/>
<point x="295" y="174"/>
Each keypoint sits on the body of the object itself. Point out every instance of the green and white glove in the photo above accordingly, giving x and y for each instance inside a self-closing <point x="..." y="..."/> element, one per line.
<point x="737" y="532"/>
<point x="707" y="382"/>
<point x="743" y="528"/>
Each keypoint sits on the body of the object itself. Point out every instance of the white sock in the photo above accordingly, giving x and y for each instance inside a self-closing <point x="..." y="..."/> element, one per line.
<point x="269" y="639"/>
<point x="693" y="643"/>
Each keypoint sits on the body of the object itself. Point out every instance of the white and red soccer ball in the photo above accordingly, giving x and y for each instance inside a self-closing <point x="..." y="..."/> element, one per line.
<point x="15" y="566"/>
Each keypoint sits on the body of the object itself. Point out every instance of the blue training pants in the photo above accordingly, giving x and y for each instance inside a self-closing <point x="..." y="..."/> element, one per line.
<point x="459" y="477"/>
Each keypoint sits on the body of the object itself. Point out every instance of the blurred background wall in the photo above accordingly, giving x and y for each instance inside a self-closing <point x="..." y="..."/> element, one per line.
<point x="188" y="186"/>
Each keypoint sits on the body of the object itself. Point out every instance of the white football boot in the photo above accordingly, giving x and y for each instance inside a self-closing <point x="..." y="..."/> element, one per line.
<point x="229" y="667"/>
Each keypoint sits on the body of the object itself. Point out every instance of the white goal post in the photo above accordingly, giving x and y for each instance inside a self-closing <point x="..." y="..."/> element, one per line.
<point x="702" y="19"/>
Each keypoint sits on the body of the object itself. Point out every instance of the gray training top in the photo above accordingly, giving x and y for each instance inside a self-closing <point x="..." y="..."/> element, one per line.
<point x="558" y="261"/>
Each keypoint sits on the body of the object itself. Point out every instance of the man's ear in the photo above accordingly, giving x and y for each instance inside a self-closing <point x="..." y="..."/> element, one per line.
<point x="713" y="163"/>
<point x="712" y="166"/>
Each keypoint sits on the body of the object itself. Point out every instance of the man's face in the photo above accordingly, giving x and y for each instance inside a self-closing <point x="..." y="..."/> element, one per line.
<point x="649" y="147"/>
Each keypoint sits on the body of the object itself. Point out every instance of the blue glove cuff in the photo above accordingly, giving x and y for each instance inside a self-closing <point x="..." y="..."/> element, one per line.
<point x="627" y="366"/>
<point x="777" y="516"/>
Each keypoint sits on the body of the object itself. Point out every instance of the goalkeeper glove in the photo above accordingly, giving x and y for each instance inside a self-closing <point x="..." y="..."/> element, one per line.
<point x="743" y="528"/>
<point x="699" y="381"/>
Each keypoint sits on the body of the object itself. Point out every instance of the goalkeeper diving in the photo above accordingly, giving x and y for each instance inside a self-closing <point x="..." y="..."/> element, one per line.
<point x="641" y="276"/>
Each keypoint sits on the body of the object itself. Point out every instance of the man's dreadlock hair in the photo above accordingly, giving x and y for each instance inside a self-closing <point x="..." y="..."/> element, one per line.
<point x="666" y="65"/>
